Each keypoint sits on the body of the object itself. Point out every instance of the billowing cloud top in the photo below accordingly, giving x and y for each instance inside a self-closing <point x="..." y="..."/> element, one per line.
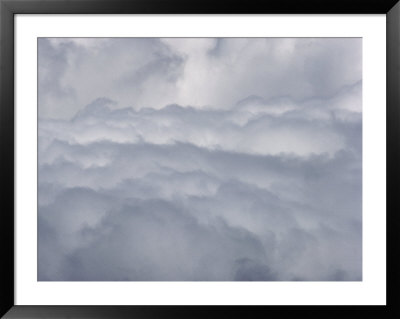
<point x="200" y="159"/>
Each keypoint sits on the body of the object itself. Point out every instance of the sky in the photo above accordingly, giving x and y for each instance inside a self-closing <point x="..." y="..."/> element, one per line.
<point x="200" y="159"/>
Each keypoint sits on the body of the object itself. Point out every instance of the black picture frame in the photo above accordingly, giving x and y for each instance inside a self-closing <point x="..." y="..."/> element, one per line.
<point x="8" y="8"/>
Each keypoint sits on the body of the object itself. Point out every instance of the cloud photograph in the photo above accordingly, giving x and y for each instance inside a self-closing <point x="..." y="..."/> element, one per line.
<point x="199" y="159"/>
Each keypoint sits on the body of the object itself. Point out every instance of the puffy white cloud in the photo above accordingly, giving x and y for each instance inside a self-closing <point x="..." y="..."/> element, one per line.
<point x="152" y="72"/>
<point x="260" y="184"/>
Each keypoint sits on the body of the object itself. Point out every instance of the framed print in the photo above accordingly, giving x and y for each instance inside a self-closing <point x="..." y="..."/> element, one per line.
<point x="162" y="158"/>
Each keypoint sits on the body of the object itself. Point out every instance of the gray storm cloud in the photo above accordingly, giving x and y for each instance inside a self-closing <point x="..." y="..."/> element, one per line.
<point x="200" y="159"/>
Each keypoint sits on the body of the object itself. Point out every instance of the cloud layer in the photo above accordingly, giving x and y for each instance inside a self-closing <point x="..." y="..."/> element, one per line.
<point x="216" y="73"/>
<point x="200" y="159"/>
